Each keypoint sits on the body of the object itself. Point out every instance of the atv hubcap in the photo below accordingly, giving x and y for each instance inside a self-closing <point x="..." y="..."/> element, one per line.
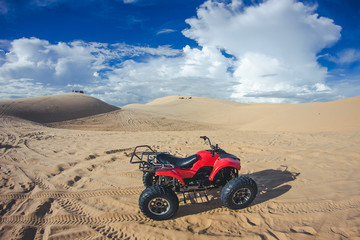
<point x="159" y="206"/>
<point x="241" y="196"/>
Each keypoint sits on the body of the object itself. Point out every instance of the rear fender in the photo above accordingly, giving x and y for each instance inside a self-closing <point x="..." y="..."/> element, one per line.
<point x="171" y="173"/>
<point x="224" y="163"/>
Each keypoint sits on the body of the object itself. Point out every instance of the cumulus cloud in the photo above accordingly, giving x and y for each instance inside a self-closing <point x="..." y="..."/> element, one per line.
<point x="39" y="60"/>
<point x="193" y="72"/>
<point x="275" y="44"/>
<point x="39" y="65"/>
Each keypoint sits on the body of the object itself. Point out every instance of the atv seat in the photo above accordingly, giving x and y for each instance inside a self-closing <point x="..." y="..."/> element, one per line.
<point x="176" y="161"/>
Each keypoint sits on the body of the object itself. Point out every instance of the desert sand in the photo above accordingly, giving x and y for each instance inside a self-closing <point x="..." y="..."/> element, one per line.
<point x="65" y="171"/>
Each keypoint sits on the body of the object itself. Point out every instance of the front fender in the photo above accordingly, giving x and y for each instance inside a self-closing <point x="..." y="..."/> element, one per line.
<point x="224" y="163"/>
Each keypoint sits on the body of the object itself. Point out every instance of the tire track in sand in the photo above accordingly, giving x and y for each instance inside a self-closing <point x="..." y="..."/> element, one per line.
<point x="78" y="195"/>
<point x="71" y="219"/>
<point x="79" y="213"/>
<point x="97" y="220"/>
<point x="294" y="208"/>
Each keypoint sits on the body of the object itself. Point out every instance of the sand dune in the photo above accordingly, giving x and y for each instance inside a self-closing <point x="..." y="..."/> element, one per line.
<point x="54" y="108"/>
<point x="328" y="116"/>
<point x="73" y="183"/>
<point x="78" y="111"/>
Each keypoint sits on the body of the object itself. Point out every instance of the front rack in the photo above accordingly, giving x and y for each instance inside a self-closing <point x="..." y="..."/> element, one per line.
<point x="150" y="164"/>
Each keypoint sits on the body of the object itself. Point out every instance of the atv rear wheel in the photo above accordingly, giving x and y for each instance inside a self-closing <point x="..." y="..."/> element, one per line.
<point x="149" y="179"/>
<point x="239" y="192"/>
<point x="158" y="202"/>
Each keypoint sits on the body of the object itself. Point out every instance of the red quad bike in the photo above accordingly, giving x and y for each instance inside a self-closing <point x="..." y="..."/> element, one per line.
<point x="165" y="175"/>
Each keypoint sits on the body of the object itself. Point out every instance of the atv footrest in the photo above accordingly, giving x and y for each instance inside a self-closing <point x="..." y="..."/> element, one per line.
<point x="195" y="196"/>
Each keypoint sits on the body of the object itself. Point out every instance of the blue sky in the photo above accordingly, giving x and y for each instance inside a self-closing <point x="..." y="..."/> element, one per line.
<point x="133" y="51"/>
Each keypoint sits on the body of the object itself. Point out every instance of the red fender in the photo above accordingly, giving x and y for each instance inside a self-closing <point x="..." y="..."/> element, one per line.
<point x="171" y="173"/>
<point x="223" y="163"/>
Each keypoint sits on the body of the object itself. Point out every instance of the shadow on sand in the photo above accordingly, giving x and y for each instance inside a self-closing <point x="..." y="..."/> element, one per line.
<point x="271" y="184"/>
<point x="7" y="146"/>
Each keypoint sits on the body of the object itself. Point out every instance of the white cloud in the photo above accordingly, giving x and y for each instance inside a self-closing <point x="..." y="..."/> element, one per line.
<point x="141" y="2"/>
<point x="346" y="56"/>
<point x="46" y="63"/>
<point x="123" y="50"/>
<point x="46" y="68"/>
<point x="194" y="72"/>
<point x="166" y="30"/>
<point x="24" y="87"/>
<point x="275" y="44"/>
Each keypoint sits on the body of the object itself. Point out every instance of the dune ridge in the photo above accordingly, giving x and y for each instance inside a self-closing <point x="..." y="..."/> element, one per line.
<point x="54" y="108"/>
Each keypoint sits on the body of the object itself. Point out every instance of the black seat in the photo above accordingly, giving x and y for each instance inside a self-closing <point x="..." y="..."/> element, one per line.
<point x="176" y="161"/>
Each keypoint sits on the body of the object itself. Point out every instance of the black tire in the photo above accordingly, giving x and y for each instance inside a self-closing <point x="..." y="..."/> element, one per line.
<point x="149" y="179"/>
<point x="239" y="192"/>
<point x="158" y="202"/>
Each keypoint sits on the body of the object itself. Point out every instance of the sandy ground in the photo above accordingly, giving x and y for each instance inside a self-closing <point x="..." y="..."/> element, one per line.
<point x="73" y="179"/>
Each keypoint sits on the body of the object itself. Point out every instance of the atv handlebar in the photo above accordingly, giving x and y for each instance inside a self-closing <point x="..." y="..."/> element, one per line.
<point x="213" y="148"/>
<point x="206" y="138"/>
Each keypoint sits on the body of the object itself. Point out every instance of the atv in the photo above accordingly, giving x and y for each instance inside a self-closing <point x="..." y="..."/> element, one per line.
<point x="165" y="176"/>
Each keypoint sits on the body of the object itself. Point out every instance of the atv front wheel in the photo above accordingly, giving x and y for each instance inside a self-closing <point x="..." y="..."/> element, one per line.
<point x="158" y="202"/>
<point x="239" y="192"/>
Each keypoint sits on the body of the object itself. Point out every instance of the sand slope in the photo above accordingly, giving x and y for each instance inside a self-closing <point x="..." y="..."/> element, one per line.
<point x="329" y="116"/>
<point x="78" y="184"/>
<point x="130" y="120"/>
<point x="54" y="108"/>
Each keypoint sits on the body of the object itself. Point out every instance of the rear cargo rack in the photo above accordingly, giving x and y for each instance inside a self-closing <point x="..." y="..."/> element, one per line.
<point x="150" y="164"/>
